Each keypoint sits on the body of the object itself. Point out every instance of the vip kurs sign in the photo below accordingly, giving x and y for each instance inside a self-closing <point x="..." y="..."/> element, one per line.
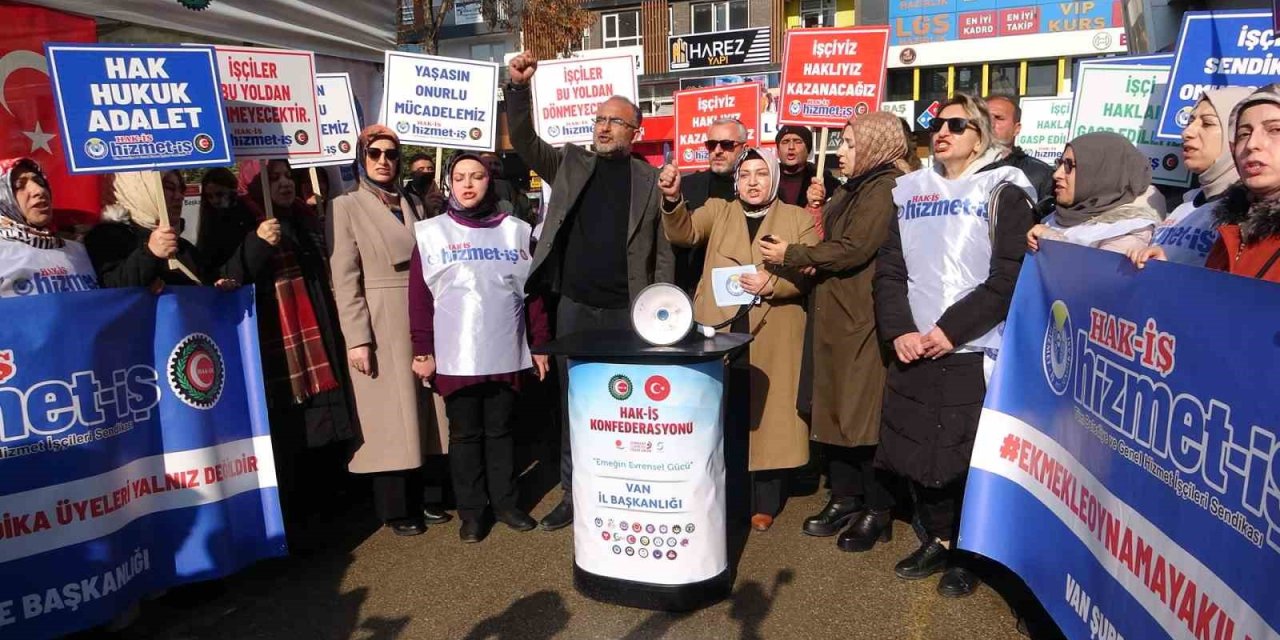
<point x="720" y="49"/>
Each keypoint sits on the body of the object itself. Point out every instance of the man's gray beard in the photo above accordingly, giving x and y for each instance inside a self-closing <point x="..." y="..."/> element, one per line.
<point x="616" y="152"/>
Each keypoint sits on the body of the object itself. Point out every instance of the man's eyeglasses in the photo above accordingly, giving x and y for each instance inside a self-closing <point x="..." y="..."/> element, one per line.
<point x="725" y="145"/>
<point x="1068" y="165"/>
<point x="614" y="122"/>
<point x="957" y="125"/>
<point x="375" y="154"/>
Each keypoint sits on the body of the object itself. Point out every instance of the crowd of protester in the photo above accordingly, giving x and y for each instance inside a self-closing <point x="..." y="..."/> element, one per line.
<point x="875" y="321"/>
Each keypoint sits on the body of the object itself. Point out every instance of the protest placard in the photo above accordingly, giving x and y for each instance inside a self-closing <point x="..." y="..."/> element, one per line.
<point x="338" y="126"/>
<point x="1125" y="99"/>
<point x="830" y="75"/>
<point x="126" y="108"/>
<point x="696" y="109"/>
<point x="1217" y="49"/>
<point x="270" y="97"/>
<point x="442" y="102"/>
<point x="1046" y="127"/>
<point x="566" y="94"/>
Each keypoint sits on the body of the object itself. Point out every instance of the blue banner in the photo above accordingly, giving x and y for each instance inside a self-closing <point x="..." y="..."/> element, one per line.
<point x="134" y="451"/>
<point x="1217" y="49"/>
<point x="123" y="108"/>
<point x="1127" y="465"/>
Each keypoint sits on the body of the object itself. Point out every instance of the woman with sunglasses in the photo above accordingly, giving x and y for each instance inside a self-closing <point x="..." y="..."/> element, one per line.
<point x="731" y="231"/>
<point x="1191" y="230"/>
<point x="848" y="360"/>
<point x="944" y="280"/>
<point x="472" y="328"/>
<point x="371" y="243"/>
<point x="1102" y="189"/>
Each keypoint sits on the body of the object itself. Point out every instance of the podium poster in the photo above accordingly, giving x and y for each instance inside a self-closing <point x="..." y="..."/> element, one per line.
<point x="1125" y="466"/>
<point x="135" y="452"/>
<point x="648" y="473"/>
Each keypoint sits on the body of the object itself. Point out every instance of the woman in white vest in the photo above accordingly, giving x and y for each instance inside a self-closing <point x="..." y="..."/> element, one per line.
<point x="472" y="328"/>
<point x="1187" y="235"/>
<point x="944" y="280"/>
<point x="731" y="230"/>
<point x="1102" y="189"/>
<point x="34" y="261"/>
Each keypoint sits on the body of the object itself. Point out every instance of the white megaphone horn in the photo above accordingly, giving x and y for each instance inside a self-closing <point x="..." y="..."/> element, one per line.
<point x="662" y="315"/>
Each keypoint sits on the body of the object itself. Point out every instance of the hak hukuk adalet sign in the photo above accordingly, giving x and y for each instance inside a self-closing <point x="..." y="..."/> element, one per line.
<point x="831" y="75"/>
<point x="123" y="108"/>
<point x="270" y="97"/>
<point x="442" y="102"/>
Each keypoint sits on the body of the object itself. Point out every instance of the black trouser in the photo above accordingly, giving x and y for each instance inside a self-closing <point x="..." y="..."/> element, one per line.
<point x="481" y="448"/>
<point x="572" y="317"/>
<point x="400" y="495"/>
<point x="853" y="475"/>
<point x="938" y="508"/>
<point x="769" y="491"/>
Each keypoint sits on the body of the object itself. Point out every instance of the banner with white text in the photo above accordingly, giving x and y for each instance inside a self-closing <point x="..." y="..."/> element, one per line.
<point x="1125" y="467"/>
<point x="135" y="453"/>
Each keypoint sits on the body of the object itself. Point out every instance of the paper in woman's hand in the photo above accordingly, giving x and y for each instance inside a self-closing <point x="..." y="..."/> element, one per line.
<point x="727" y="286"/>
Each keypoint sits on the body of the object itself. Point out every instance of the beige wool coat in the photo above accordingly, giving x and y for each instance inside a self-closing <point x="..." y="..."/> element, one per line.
<point x="779" y="436"/>
<point x="369" y="252"/>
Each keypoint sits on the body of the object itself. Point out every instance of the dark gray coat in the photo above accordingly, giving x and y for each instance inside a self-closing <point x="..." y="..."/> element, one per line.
<point x="568" y="170"/>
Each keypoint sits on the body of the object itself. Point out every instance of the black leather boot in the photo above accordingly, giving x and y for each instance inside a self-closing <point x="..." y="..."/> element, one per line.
<point x="833" y="517"/>
<point x="929" y="559"/>
<point x="866" y="530"/>
<point x="560" y="517"/>
<point x="958" y="581"/>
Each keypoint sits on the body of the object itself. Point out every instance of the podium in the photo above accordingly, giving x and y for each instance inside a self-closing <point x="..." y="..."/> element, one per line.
<point x="646" y="426"/>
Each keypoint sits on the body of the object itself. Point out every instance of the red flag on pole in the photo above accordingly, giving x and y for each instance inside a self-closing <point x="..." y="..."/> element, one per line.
<point x="28" y="120"/>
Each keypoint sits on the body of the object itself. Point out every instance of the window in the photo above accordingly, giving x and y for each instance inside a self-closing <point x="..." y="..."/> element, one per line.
<point x="584" y="43"/>
<point x="817" y="13"/>
<point x="968" y="80"/>
<point x="900" y="84"/>
<point x="719" y="16"/>
<point x="933" y="84"/>
<point x="1042" y="78"/>
<point x="1003" y="79"/>
<point x="621" y="29"/>
<point x="406" y="11"/>
<point x="489" y="52"/>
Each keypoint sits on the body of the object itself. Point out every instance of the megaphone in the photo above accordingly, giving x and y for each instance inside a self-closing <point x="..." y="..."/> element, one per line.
<point x="662" y="315"/>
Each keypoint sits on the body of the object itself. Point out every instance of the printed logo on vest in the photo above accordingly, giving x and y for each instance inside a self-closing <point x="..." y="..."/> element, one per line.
<point x="196" y="371"/>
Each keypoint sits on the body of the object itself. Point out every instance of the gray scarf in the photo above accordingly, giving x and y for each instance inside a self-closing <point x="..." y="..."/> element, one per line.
<point x="1109" y="172"/>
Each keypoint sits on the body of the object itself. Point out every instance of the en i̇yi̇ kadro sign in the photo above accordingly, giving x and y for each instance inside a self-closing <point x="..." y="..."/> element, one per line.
<point x="443" y="102"/>
<point x="1125" y="99"/>
<point x="124" y="108"/>
<point x="271" y="102"/>
<point x="696" y="109"/>
<point x="831" y="75"/>
<point x="566" y="94"/>
<point x="338" y="127"/>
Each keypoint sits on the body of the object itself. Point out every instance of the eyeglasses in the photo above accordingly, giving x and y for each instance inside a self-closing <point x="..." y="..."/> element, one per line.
<point x="957" y="125"/>
<point x="725" y="145"/>
<point x="375" y="154"/>
<point x="614" y="122"/>
<point x="1067" y="164"/>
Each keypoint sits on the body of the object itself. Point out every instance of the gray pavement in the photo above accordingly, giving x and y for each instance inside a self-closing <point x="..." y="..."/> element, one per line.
<point x="350" y="579"/>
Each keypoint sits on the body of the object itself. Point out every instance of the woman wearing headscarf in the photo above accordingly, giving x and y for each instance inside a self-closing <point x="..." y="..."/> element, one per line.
<point x="1249" y="215"/>
<point x="225" y="220"/>
<point x="472" y="329"/>
<point x="1102" y="189"/>
<point x="33" y="259"/>
<point x="944" y="280"/>
<point x="848" y="360"/>
<point x="132" y="249"/>
<point x="371" y="243"/>
<point x="731" y="230"/>
<point x="1191" y="230"/>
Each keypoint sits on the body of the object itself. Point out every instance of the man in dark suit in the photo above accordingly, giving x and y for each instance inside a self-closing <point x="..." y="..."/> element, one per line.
<point x="602" y="240"/>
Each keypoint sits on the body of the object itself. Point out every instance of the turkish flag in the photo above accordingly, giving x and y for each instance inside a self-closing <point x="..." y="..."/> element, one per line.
<point x="28" y="119"/>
